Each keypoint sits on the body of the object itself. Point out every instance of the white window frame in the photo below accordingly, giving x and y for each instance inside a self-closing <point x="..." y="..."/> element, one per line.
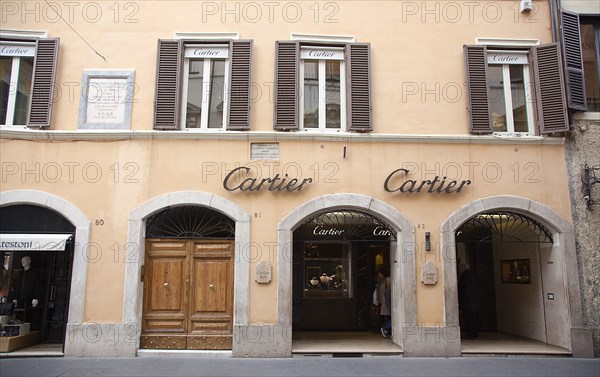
<point x="323" y="91"/>
<point x="510" y="126"/>
<point x="206" y="85"/>
<point x="14" y="82"/>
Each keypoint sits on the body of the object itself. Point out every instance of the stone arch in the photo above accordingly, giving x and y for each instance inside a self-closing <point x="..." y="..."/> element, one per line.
<point x="564" y="243"/>
<point x="82" y="240"/>
<point x="402" y="253"/>
<point x="133" y="288"/>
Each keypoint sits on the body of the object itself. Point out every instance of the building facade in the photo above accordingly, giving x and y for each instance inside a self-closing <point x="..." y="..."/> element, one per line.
<point x="581" y="21"/>
<point x="327" y="151"/>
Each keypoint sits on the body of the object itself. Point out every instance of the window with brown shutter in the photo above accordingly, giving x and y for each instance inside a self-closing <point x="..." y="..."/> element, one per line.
<point x="29" y="65"/>
<point x="571" y="41"/>
<point x="480" y="121"/>
<point x="322" y="87"/>
<point x="508" y="95"/>
<point x="203" y="85"/>
<point x="552" y="107"/>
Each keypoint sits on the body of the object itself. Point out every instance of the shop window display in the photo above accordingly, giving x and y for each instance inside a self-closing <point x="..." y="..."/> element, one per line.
<point x="327" y="270"/>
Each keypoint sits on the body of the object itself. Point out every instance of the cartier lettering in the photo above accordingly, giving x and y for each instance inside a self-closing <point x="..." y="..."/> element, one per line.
<point x="505" y="58"/>
<point x="277" y="183"/>
<point x="320" y="54"/>
<point x="322" y="231"/>
<point x="205" y="52"/>
<point x="435" y="185"/>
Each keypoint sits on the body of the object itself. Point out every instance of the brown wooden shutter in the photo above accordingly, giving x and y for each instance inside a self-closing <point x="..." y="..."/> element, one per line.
<point x="359" y="108"/>
<point x="44" y="73"/>
<point x="168" y="79"/>
<point x="287" y="62"/>
<point x="480" y="118"/>
<point x="239" y="94"/>
<point x="550" y="91"/>
<point x="571" y="41"/>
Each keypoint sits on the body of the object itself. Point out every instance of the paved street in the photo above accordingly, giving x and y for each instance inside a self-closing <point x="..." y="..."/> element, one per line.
<point x="307" y="366"/>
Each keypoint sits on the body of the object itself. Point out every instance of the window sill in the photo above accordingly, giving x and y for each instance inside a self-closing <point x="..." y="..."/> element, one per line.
<point x="270" y="136"/>
<point x="587" y="115"/>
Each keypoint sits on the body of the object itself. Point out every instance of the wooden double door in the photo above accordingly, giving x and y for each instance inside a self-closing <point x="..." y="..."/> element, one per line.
<point x="188" y="294"/>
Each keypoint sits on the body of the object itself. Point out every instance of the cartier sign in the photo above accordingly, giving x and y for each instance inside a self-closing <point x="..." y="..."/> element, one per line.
<point x="276" y="183"/>
<point x="435" y="185"/>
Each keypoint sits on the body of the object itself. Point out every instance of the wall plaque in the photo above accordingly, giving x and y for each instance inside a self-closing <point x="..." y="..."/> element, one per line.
<point x="429" y="274"/>
<point x="263" y="272"/>
<point x="264" y="151"/>
<point x="106" y="98"/>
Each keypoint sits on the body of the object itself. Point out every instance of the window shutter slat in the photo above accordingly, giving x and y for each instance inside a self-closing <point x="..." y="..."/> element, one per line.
<point x="480" y="119"/>
<point x="166" y="100"/>
<point x="240" y="85"/>
<point x="359" y="108"/>
<point x="571" y="41"/>
<point x="44" y="73"/>
<point x="287" y="63"/>
<point x="551" y="104"/>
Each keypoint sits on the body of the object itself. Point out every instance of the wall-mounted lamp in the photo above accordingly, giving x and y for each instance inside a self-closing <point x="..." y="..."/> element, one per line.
<point x="427" y="241"/>
<point x="589" y="179"/>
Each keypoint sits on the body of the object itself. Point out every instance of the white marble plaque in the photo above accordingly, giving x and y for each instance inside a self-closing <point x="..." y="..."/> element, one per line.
<point x="106" y="100"/>
<point x="263" y="272"/>
<point x="429" y="274"/>
<point x="264" y="151"/>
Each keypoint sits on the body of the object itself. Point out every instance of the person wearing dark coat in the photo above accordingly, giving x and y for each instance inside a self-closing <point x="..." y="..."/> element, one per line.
<point x="468" y="300"/>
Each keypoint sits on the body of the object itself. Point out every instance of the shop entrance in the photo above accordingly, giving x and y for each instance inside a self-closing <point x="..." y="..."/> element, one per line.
<point x="510" y="281"/>
<point x="188" y="277"/>
<point x="336" y="258"/>
<point x="35" y="280"/>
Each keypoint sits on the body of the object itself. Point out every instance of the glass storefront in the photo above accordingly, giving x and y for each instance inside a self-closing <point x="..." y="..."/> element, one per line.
<point x="336" y="257"/>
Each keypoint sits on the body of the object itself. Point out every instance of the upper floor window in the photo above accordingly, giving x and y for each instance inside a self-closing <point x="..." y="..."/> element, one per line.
<point x="27" y="70"/>
<point x="510" y="92"/>
<point x="581" y="47"/>
<point x="205" y="104"/>
<point x="590" y="48"/>
<point x="322" y="86"/>
<point x="203" y="85"/>
<point x="509" y="95"/>
<point x="16" y="72"/>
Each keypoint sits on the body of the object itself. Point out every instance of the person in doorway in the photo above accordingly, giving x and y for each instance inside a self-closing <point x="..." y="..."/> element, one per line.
<point x="384" y="290"/>
<point x="468" y="300"/>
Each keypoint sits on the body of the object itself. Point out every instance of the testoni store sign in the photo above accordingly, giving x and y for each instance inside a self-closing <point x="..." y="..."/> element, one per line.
<point x="396" y="182"/>
<point x="33" y="242"/>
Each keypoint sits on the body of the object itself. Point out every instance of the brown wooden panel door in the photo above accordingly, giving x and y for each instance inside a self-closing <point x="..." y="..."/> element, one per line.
<point x="188" y="294"/>
<point x="165" y="309"/>
<point x="211" y="297"/>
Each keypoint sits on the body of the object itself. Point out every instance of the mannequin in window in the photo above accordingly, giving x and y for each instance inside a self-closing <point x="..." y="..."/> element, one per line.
<point x="4" y="282"/>
<point x="27" y="292"/>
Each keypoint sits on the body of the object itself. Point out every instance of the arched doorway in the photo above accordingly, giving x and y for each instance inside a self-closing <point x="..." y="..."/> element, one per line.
<point x="188" y="278"/>
<point x="536" y="238"/>
<point x="505" y="264"/>
<point x="401" y="256"/>
<point x="336" y="258"/>
<point x="37" y="247"/>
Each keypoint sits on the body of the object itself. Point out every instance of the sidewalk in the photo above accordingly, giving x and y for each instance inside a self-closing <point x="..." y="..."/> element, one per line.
<point x="306" y="366"/>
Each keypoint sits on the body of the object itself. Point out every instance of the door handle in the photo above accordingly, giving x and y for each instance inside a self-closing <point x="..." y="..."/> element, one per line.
<point x="166" y="285"/>
<point x="211" y="286"/>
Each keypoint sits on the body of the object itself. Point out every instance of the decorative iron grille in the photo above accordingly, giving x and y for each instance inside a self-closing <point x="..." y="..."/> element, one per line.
<point x="503" y="226"/>
<point x="190" y="222"/>
<point x="357" y="225"/>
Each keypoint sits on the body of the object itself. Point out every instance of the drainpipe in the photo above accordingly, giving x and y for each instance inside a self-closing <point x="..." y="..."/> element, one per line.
<point x="555" y="8"/>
